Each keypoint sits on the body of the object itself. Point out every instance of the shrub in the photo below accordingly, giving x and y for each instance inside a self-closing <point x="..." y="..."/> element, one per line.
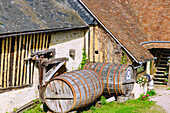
<point x="151" y="92"/>
<point x="144" y="97"/>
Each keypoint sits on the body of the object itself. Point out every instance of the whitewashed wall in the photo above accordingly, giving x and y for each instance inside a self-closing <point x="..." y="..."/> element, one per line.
<point x="66" y="40"/>
<point x="17" y="98"/>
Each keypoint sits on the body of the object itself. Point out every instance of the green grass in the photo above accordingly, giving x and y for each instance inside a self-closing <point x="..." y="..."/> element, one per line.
<point x="131" y="106"/>
<point x="168" y="88"/>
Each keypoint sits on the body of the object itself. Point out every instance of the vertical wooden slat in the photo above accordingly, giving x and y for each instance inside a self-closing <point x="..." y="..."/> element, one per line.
<point x="88" y="44"/>
<point x="108" y="49"/>
<point x="6" y="60"/>
<point x="96" y="44"/>
<point x="22" y="62"/>
<point x="43" y="46"/>
<point x="8" y="82"/>
<point x="91" y="44"/>
<point x="29" y="62"/>
<point x="25" y="63"/>
<point x="40" y="42"/>
<point x="37" y="42"/>
<point x="14" y="63"/>
<point x="47" y="41"/>
<point x="2" y="61"/>
<point x="111" y="52"/>
<point x="33" y="50"/>
<point x="19" y="60"/>
<point x="101" y="45"/>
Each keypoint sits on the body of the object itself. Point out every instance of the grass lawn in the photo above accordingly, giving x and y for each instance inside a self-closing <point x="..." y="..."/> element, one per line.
<point x="131" y="106"/>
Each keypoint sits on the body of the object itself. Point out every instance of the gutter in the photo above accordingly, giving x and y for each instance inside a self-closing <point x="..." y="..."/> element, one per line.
<point x="141" y="63"/>
<point x="42" y="31"/>
<point x="154" y="42"/>
<point x="109" y="31"/>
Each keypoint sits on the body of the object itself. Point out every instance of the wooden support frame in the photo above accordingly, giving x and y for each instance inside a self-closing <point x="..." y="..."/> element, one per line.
<point x="2" y="62"/>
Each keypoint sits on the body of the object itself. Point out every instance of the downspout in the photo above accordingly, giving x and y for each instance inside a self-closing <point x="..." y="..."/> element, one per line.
<point x="109" y="31"/>
<point x="154" y="42"/>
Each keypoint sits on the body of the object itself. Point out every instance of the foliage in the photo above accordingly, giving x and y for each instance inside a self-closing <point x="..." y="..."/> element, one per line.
<point x="131" y="106"/>
<point x="84" y="60"/>
<point x="15" y="109"/>
<point x="92" y="108"/>
<point x="124" y="58"/>
<point x="151" y="93"/>
<point x="103" y="100"/>
<point x="168" y="88"/>
<point x="141" y="69"/>
<point x="37" y="108"/>
<point x="143" y="80"/>
<point x="144" y="97"/>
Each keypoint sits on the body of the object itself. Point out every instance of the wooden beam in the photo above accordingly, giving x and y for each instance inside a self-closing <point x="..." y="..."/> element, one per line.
<point x="29" y="62"/>
<point x="48" y="76"/>
<point x="19" y="60"/>
<point x="96" y="44"/>
<point x="47" y="41"/>
<point x="6" y="60"/>
<point x="2" y="61"/>
<point x="152" y="67"/>
<point x="43" y="52"/>
<point x="40" y="44"/>
<point x="25" y="63"/>
<point x="22" y="62"/>
<point x="169" y="71"/>
<point x="8" y="70"/>
<point x="43" y="46"/>
<point x="37" y="41"/>
<point x="14" y="62"/>
<point x="54" y="61"/>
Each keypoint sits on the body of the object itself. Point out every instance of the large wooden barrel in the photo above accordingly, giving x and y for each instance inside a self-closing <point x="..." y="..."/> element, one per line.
<point x="73" y="90"/>
<point x="118" y="79"/>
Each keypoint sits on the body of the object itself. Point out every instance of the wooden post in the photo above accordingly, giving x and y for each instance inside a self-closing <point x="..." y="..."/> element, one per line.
<point x="40" y="78"/>
<point x="169" y="71"/>
<point x="152" y="67"/>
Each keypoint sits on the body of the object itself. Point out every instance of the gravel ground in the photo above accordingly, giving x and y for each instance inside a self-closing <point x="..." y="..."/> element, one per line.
<point x="163" y="98"/>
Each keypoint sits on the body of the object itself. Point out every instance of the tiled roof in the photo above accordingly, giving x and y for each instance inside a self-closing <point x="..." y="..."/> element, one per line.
<point x="31" y="15"/>
<point x="121" y="21"/>
<point x="153" y="17"/>
<point x="84" y="14"/>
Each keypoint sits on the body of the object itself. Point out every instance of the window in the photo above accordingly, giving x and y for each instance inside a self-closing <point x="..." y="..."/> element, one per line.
<point x="15" y="71"/>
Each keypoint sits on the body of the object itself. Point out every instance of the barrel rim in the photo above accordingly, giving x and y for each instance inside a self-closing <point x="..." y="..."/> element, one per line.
<point x="72" y="89"/>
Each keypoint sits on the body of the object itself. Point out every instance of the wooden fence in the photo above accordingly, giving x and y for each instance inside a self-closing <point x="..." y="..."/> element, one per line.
<point x="15" y="71"/>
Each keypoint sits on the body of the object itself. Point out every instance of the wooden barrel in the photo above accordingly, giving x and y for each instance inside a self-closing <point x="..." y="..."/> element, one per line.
<point x="118" y="79"/>
<point x="73" y="90"/>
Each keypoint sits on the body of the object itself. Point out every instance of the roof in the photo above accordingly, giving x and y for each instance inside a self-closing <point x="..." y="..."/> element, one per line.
<point x="31" y="15"/>
<point x="82" y="12"/>
<point x="121" y="21"/>
<point x="153" y="18"/>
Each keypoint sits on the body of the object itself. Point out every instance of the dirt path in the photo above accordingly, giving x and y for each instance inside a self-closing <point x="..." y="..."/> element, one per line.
<point x="163" y="98"/>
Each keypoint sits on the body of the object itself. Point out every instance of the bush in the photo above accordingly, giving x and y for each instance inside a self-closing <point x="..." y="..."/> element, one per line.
<point x="151" y="92"/>
<point x="144" y="97"/>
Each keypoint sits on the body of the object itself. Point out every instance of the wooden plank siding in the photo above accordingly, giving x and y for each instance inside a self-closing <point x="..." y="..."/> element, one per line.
<point x="102" y="48"/>
<point x="14" y="70"/>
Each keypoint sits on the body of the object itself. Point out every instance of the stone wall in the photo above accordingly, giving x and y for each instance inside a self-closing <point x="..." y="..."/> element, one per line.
<point x="66" y="41"/>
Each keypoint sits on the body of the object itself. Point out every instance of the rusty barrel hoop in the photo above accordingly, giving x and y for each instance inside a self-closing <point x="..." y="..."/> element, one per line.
<point x="73" y="90"/>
